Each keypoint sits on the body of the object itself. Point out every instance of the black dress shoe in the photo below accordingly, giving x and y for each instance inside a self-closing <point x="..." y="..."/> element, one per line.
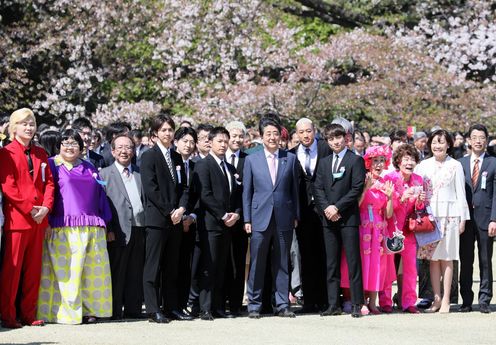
<point x="285" y="313"/>
<point x="332" y="311"/>
<point x="484" y="309"/>
<point x="206" y="316"/>
<point x="356" y="310"/>
<point x="158" y="318"/>
<point x="192" y="311"/>
<point x="465" y="309"/>
<point x="254" y="315"/>
<point x="221" y="314"/>
<point x="179" y="315"/>
<point x="307" y="309"/>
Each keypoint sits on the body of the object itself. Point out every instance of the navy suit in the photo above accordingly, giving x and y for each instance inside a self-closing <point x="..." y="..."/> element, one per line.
<point x="482" y="204"/>
<point x="272" y="210"/>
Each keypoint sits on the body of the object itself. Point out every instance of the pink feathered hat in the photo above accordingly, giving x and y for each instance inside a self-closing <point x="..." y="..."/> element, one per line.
<point x="377" y="151"/>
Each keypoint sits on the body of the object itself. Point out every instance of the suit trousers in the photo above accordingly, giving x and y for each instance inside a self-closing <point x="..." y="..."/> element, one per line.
<point x="215" y="245"/>
<point x="335" y="238"/>
<point x="259" y="249"/>
<point x="234" y="282"/>
<point x="160" y="269"/>
<point x="126" y="266"/>
<point x="185" y="265"/>
<point x="471" y="234"/>
<point x="194" y="290"/>
<point x="313" y="259"/>
<point x="21" y="265"/>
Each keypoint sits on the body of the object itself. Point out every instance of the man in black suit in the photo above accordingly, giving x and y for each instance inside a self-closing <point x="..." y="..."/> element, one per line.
<point x="202" y="144"/>
<point x="220" y="209"/>
<point x="126" y="232"/>
<point x="137" y="136"/>
<point x="309" y="231"/>
<point x="234" y="286"/>
<point x="480" y="188"/>
<point x="111" y="131"/>
<point x="337" y="189"/>
<point x="166" y="192"/>
<point x="185" y="142"/>
<point x="83" y="126"/>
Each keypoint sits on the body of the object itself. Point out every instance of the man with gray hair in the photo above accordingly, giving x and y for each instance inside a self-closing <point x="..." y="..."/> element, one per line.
<point x="234" y="281"/>
<point x="309" y="231"/>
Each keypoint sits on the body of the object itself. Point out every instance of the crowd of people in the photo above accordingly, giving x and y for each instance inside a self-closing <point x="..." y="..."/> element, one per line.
<point x="199" y="222"/>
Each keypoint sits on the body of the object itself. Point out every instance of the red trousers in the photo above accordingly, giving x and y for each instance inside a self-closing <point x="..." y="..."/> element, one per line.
<point x="22" y="256"/>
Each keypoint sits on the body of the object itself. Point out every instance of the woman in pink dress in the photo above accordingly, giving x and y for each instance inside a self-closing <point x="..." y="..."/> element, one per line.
<point x="408" y="194"/>
<point x="376" y="206"/>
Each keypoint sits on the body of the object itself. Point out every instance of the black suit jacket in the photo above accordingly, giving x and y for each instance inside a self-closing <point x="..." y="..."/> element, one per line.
<point x="306" y="181"/>
<point x="106" y="152"/>
<point x="481" y="202"/>
<point x="343" y="192"/>
<point x="215" y="197"/>
<point x="96" y="159"/>
<point x="162" y="194"/>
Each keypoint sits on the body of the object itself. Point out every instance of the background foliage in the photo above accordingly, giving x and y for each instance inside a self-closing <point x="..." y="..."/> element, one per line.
<point x="383" y="64"/>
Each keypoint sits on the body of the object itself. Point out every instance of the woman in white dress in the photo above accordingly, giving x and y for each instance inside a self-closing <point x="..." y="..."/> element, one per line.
<point x="445" y="183"/>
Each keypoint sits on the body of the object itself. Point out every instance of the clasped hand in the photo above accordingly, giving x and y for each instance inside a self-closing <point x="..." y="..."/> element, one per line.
<point x="38" y="213"/>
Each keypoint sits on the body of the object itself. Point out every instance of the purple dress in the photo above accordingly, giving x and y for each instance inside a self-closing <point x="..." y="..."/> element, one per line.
<point x="79" y="199"/>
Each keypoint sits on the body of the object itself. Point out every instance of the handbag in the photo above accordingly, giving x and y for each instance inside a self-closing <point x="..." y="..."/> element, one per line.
<point x="420" y="221"/>
<point x="395" y="244"/>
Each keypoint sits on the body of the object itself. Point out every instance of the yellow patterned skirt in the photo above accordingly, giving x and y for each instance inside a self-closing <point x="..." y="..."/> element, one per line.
<point x="75" y="277"/>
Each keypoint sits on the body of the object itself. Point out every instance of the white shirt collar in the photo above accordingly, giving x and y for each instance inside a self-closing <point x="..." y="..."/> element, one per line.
<point x="481" y="157"/>
<point x="341" y="154"/>
<point x="313" y="147"/>
<point x="162" y="147"/>
<point x="217" y="159"/>
<point x="121" y="167"/>
<point x="229" y="153"/>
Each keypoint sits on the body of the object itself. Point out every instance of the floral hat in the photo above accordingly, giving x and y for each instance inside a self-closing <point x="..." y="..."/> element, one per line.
<point x="377" y="151"/>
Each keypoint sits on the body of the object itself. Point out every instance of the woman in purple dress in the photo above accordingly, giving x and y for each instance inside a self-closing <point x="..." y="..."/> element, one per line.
<point x="75" y="282"/>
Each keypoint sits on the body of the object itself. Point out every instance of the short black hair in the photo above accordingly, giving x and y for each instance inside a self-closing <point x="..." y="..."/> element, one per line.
<point x="478" y="127"/>
<point x="159" y="120"/>
<point x="397" y="135"/>
<point x="268" y="121"/>
<point x="116" y="128"/>
<point x="48" y="140"/>
<point x="186" y="121"/>
<point x="184" y="131"/>
<point x="121" y="136"/>
<point x="334" y="130"/>
<point x="70" y="133"/>
<point x="138" y="133"/>
<point x="216" y="131"/>
<point x="80" y="123"/>
<point x="204" y="127"/>
<point x="443" y="133"/>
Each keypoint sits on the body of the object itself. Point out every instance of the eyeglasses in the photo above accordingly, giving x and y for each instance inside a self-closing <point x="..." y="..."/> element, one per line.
<point x="73" y="144"/>
<point x="124" y="148"/>
<point x="474" y="138"/>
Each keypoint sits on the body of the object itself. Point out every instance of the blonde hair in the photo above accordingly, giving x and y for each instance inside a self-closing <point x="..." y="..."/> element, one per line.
<point x="19" y="116"/>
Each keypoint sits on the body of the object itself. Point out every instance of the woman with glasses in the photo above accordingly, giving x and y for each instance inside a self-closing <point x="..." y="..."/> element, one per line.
<point x="75" y="283"/>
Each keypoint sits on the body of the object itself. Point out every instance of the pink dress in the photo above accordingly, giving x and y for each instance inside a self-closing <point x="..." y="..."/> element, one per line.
<point x="372" y="230"/>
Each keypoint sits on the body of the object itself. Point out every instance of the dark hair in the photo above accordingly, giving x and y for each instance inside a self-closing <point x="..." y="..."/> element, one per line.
<point x="217" y="131"/>
<point x="204" y="127"/>
<point x="121" y="136"/>
<point x="402" y="151"/>
<point x="80" y="123"/>
<point x="478" y="127"/>
<point x="268" y="121"/>
<point x="42" y="128"/>
<point x="397" y="135"/>
<point x="444" y="133"/>
<point x="48" y="140"/>
<point x="159" y="120"/>
<point x="334" y="130"/>
<point x="136" y="133"/>
<point x="455" y="133"/>
<point x="185" y="121"/>
<point x="116" y="128"/>
<point x="272" y="114"/>
<point x="184" y="131"/>
<point x="70" y="133"/>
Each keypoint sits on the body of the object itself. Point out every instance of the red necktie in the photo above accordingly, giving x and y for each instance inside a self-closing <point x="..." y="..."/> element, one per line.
<point x="475" y="173"/>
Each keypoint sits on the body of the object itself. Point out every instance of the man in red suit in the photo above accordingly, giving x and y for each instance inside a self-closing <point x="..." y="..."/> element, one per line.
<point x="28" y="190"/>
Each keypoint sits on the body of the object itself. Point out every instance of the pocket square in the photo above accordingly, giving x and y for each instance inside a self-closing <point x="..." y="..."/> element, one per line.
<point x="338" y="175"/>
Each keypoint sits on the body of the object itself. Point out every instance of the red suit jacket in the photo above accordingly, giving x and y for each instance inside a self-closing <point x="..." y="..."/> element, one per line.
<point x="21" y="191"/>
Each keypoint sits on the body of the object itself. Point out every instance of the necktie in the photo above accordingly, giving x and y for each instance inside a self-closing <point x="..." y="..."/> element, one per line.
<point x="125" y="172"/>
<point x="186" y="170"/>
<point x="169" y="164"/>
<point x="335" y="166"/>
<point x="272" y="168"/>
<point x="475" y="173"/>
<point x="223" y="166"/>
<point x="30" y="161"/>
<point x="307" y="162"/>
<point x="233" y="160"/>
